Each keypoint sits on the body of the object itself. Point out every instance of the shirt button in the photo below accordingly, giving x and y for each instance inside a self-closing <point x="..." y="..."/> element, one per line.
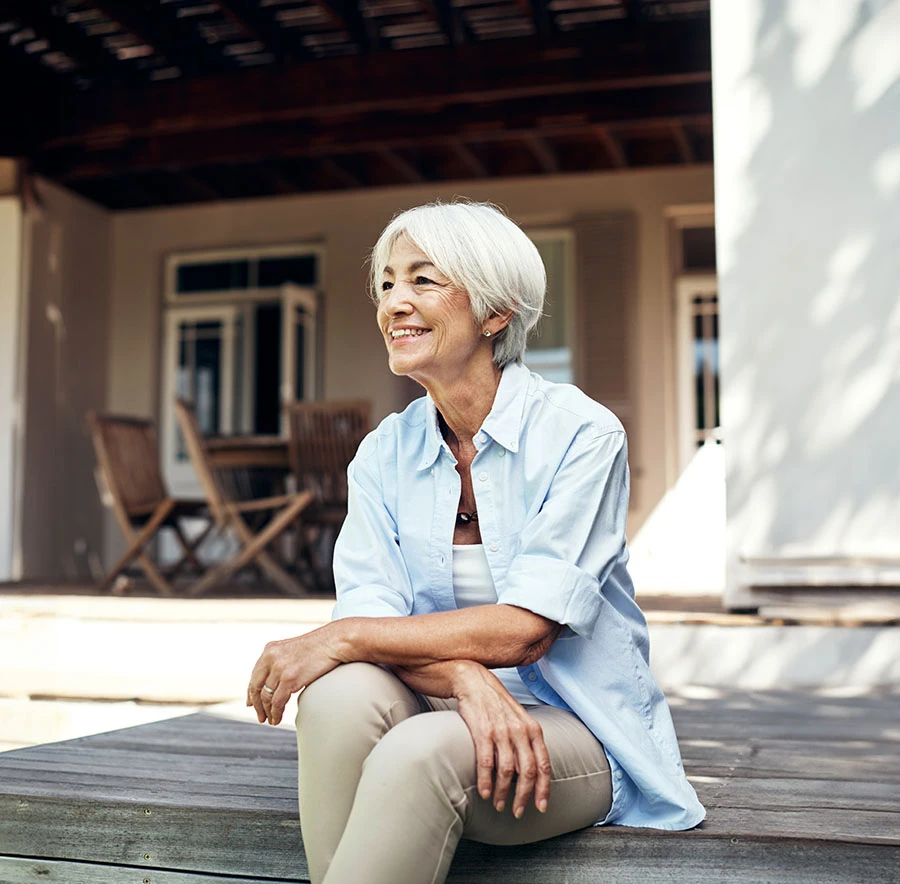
<point x="482" y="437"/>
<point x="532" y="676"/>
<point x="618" y="775"/>
<point x="502" y="452"/>
<point x="483" y="477"/>
<point x="495" y="546"/>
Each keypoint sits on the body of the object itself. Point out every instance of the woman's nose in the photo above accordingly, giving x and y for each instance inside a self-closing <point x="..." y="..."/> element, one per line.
<point x="396" y="299"/>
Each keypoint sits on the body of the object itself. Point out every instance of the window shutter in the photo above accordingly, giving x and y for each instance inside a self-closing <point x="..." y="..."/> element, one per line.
<point x="606" y="295"/>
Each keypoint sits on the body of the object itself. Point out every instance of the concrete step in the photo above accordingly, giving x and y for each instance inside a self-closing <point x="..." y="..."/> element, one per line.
<point x="202" y="651"/>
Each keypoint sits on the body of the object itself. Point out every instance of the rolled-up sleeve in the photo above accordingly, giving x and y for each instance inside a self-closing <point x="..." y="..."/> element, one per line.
<point x="370" y="575"/>
<point x="568" y="549"/>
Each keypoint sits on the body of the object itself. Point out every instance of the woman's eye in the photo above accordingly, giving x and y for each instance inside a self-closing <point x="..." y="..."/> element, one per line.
<point x="386" y="286"/>
<point x="423" y="280"/>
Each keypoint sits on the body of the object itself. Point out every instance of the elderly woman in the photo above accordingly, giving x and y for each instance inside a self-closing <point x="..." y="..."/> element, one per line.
<point x="486" y="671"/>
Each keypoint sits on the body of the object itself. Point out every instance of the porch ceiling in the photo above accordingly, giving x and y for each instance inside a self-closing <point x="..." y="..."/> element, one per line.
<point x="159" y="102"/>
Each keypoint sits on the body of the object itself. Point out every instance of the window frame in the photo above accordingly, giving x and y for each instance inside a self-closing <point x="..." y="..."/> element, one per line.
<point x="171" y="295"/>
<point x="567" y="236"/>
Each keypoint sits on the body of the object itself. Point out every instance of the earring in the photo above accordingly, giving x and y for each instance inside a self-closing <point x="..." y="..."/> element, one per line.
<point x="487" y="333"/>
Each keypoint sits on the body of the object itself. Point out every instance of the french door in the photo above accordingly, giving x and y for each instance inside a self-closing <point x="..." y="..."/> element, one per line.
<point x="238" y="363"/>
<point x="697" y="315"/>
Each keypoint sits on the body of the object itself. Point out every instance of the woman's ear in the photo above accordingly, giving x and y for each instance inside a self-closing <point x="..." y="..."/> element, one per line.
<point x="498" y="321"/>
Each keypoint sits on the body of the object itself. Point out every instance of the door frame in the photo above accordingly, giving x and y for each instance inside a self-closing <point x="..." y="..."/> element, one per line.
<point x="179" y="474"/>
<point x="687" y="286"/>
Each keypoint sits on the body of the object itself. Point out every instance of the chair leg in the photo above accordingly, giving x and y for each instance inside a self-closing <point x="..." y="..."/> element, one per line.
<point x="135" y="551"/>
<point x="254" y="550"/>
<point x="189" y="547"/>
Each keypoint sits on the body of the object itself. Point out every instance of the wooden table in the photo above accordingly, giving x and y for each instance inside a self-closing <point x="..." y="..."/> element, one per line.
<point x="799" y="788"/>
<point x="248" y="452"/>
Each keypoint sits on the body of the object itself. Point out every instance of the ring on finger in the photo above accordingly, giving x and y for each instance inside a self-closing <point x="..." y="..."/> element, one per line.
<point x="267" y="689"/>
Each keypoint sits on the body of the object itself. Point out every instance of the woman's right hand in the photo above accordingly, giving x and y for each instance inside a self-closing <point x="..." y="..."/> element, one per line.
<point x="507" y="740"/>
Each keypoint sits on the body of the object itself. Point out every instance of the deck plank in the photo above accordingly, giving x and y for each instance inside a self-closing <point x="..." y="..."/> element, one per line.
<point x="800" y="789"/>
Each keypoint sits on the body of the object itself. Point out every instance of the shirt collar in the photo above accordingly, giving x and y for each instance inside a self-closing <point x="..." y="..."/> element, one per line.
<point x="503" y="424"/>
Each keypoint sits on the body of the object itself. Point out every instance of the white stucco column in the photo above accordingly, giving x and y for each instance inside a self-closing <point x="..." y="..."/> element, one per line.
<point x="10" y="328"/>
<point x="807" y="176"/>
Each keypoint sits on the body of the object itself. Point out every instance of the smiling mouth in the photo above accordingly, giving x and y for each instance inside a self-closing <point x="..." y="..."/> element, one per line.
<point x="405" y="335"/>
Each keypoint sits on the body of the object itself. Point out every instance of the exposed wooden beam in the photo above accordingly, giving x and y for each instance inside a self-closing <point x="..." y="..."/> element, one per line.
<point x="544" y="153"/>
<point x="339" y="172"/>
<point x="539" y="13"/>
<point x="448" y="19"/>
<point x="470" y="159"/>
<point x="472" y="124"/>
<point x="344" y="15"/>
<point x="278" y="182"/>
<point x="612" y="144"/>
<point x="88" y="55"/>
<point x="197" y="186"/>
<point x="251" y="23"/>
<point x="498" y="73"/>
<point x="685" y="145"/>
<point x="400" y="165"/>
<point x="475" y="125"/>
<point x="175" y="40"/>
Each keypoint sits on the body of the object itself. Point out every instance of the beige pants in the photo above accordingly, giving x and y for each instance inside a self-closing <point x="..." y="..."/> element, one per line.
<point x="388" y="782"/>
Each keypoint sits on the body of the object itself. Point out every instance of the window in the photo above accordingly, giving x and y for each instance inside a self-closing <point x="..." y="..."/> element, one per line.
<point x="693" y="242"/>
<point x="241" y="337"/>
<point x="549" y="347"/>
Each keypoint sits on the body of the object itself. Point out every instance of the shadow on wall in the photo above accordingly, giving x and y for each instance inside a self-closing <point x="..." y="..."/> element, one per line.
<point x="810" y="279"/>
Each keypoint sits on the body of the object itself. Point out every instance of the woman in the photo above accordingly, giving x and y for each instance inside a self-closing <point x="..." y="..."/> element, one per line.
<point x="485" y="674"/>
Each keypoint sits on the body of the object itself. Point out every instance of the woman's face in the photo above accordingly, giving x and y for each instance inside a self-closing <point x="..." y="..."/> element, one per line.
<point x="426" y="320"/>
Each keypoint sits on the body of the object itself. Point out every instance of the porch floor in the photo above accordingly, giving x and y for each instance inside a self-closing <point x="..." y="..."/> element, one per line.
<point x="798" y="787"/>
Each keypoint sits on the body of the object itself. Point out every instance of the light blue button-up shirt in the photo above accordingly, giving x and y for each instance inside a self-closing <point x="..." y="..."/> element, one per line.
<point x="551" y="489"/>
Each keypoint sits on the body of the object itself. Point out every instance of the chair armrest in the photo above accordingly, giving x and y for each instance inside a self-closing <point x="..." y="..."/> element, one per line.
<point x="261" y="504"/>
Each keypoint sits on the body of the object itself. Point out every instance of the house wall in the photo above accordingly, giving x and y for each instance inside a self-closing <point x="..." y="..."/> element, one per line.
<point x="65" y="368"/>
<point x="10" y="317"/>
<point x="807" y="142"/>
<point x="347" y="224"/>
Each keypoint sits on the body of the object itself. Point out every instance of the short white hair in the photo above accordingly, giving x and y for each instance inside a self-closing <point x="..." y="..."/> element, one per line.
<point x="480" y="250"/>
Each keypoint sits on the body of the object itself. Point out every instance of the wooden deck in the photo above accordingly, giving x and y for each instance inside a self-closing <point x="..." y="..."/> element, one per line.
<point x="799" y="788"/>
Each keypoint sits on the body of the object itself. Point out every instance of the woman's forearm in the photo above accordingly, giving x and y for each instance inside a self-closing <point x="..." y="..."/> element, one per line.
<point x="441" y="679"/>
<point x="492" y="635"/>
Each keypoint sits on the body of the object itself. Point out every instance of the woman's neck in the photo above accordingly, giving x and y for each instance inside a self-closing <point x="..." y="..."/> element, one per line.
<point x="463" y="407"/>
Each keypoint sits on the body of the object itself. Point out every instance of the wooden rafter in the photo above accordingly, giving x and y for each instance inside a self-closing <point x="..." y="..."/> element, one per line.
<point x="543" y="152"/>
<point x="539" y="13"/>
<point x="501" y="72"/>
<point x="685" y="145"/>
<point x="199" y="187"/>
<point x="279" y="183"/>
<point x="403" y="167"/>
<point x="174" y="40"/>
<point x="337" y="170"/>
<point x="472" y="124"/>
<point x="613" y="146"/>
<point x="470" y="159"/>
<point x="252" y="25"/>
<point x="448" y="19"/>
<point x="87" y="54"/>
<point x="345" y="16"/>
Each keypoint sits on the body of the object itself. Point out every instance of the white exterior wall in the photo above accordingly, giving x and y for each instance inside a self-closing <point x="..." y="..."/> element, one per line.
<point x="10" y="321"/>
<point x="348" y="225"/>
<point x="807" y="143"/>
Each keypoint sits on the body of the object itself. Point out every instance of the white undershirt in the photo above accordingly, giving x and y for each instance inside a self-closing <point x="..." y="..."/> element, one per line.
<point x="473" y="585"/>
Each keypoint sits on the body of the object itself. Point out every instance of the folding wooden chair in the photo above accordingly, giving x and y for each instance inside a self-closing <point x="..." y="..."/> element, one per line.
<point x="130" y="481"/>
<point x="229" y="516"/>
<point x="323" y="438"/>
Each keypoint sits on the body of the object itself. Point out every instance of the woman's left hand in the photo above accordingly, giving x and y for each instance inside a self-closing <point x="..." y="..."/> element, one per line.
<point x="286" y="667"/>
